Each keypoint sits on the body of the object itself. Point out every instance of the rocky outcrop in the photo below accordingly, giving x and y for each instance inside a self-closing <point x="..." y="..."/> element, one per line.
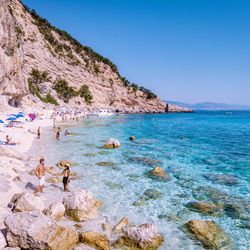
<point x="26" y="202"/>
<point x="3" y="242"/>
<point x="94" y="239"/>
<point x="144" y="236"/>
<point x="56" y="210"/>
<point x="33" y="230"/>
<point x="81" y="205"/>
<point x="26" y="42"/>
<point x="209" y="234"/>
<point x="112" y="143"/>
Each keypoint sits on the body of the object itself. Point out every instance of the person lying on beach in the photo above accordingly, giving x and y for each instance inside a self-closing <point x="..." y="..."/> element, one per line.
<point x="9" y="141"/>
<point x="66" y="174"/>
<point x="40" y="174"/>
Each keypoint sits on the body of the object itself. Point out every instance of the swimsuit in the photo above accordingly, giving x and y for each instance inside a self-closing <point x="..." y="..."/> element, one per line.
<point x="42" y="181"/>
<point x="65" y="180"/>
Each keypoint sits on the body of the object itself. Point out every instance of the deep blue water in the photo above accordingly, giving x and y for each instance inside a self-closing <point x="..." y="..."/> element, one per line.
<point x="193" y="148"/>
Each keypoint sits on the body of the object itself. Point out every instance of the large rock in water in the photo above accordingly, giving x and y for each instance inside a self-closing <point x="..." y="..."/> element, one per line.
<point x="112" y="143"/>
<point x="144" y="237"/>
<point x="56" y="210"/>
<point x="209" y="234"/>
<point x="203" y="207"/>
<point x="27" y="202"/>
<point x="81" y="205"/>
<point x="34" y="230"/>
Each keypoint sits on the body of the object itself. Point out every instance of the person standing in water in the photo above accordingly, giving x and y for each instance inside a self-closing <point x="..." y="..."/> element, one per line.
<point x="58" y="133"/>
<point x="66" y="174"/>
<point x="38" y="133"/>
<point x="40" y="174"/>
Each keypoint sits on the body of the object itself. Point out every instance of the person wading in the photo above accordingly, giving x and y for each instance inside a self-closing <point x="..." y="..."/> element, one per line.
<point x="66" y="174"/>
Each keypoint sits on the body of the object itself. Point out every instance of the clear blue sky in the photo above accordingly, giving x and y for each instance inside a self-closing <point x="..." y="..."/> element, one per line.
<point x="185" y="50"/>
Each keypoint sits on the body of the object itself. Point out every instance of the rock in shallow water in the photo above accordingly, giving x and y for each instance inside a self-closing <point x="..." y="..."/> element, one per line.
<point x="209" y="234"/>
<point x="34" y="230"/>
<point x="224" y="179"/>
<point x="144" y="237"/>
<point x="112" y="143"/>
<point x="81" y="205"/>
<point x="158" y="172"/>
<point x="152" y="194"/>
<point x="203" y="207"/>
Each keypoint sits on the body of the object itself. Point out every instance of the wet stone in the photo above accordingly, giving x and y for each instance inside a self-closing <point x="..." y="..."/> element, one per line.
<point x="152" y="194"/>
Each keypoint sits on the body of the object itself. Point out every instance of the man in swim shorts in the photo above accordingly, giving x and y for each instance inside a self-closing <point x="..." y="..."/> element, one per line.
<point x="40" y="174"/>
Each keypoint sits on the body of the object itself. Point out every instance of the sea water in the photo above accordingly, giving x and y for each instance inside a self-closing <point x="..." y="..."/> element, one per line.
<point x="192" y="148"/>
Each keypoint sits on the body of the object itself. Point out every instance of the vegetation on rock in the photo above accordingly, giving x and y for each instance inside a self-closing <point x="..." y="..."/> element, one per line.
<point x="85" y="93"/>
<point x="68" y="47"/>
<point x="64" y="91"/>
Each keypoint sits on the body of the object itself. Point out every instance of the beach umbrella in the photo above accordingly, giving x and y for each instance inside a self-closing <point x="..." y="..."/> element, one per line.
<point x="11" y="119"/>
<point x="1" y="121"/>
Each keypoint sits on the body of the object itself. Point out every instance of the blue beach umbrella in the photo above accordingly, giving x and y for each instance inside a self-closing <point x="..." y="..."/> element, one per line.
<point x="1" y="121"/>
<point x="11" y="119"/>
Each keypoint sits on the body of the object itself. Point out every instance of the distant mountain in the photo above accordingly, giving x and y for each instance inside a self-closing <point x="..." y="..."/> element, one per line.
<point x="210" y="106"/>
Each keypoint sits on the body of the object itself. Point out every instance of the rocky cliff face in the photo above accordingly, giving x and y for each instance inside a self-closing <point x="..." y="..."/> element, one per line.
<point x="28" y="42"/>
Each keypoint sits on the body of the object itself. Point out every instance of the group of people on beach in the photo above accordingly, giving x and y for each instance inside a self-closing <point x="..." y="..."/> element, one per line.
<point x="41" y="169"/>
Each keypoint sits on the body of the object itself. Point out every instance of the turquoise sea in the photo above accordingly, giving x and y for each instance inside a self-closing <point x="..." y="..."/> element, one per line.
<point x="207" y="155"/>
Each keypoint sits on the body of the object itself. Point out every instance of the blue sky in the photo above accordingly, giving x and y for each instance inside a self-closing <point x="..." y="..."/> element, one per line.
<point x="185" y="50"/>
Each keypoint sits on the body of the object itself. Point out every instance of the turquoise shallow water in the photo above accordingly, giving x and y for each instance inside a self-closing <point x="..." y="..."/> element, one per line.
<point x="192" y="148"/>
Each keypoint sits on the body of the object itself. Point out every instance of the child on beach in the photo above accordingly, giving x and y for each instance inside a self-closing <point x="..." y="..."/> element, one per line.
<point x="66" y="174"/>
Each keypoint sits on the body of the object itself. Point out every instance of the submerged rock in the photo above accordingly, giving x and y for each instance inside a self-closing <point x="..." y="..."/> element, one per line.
<point x="145" y="161"/>
<point x="203" y="207"/>
<point x="105" y="164"/>
<point x="112" y="143"/>
<point x="56" y="210"/>
<point x="144" y="236"/>
<point x="158" y="172"/>
<point x="53" y="179"/>
<point x="62" y="163"/>
<point x="34" y="230"/>
<point x="90" y="154"/>
<point x="27" y="202"/>
<point x="152" y="194"/>
<point x="94" y="239"/>
<point x="209" y="234"/>
<point x="237" y="211"/>
<point x="224" y="179"/>
<point x="81" y="205"/>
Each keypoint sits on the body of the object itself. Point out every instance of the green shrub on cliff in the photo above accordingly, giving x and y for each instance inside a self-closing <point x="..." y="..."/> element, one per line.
<point x="85" y="93"/>
<point x="64" y="91"/>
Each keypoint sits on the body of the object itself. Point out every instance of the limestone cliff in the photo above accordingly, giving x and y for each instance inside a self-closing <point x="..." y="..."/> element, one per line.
<point x="34" y="56"/>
